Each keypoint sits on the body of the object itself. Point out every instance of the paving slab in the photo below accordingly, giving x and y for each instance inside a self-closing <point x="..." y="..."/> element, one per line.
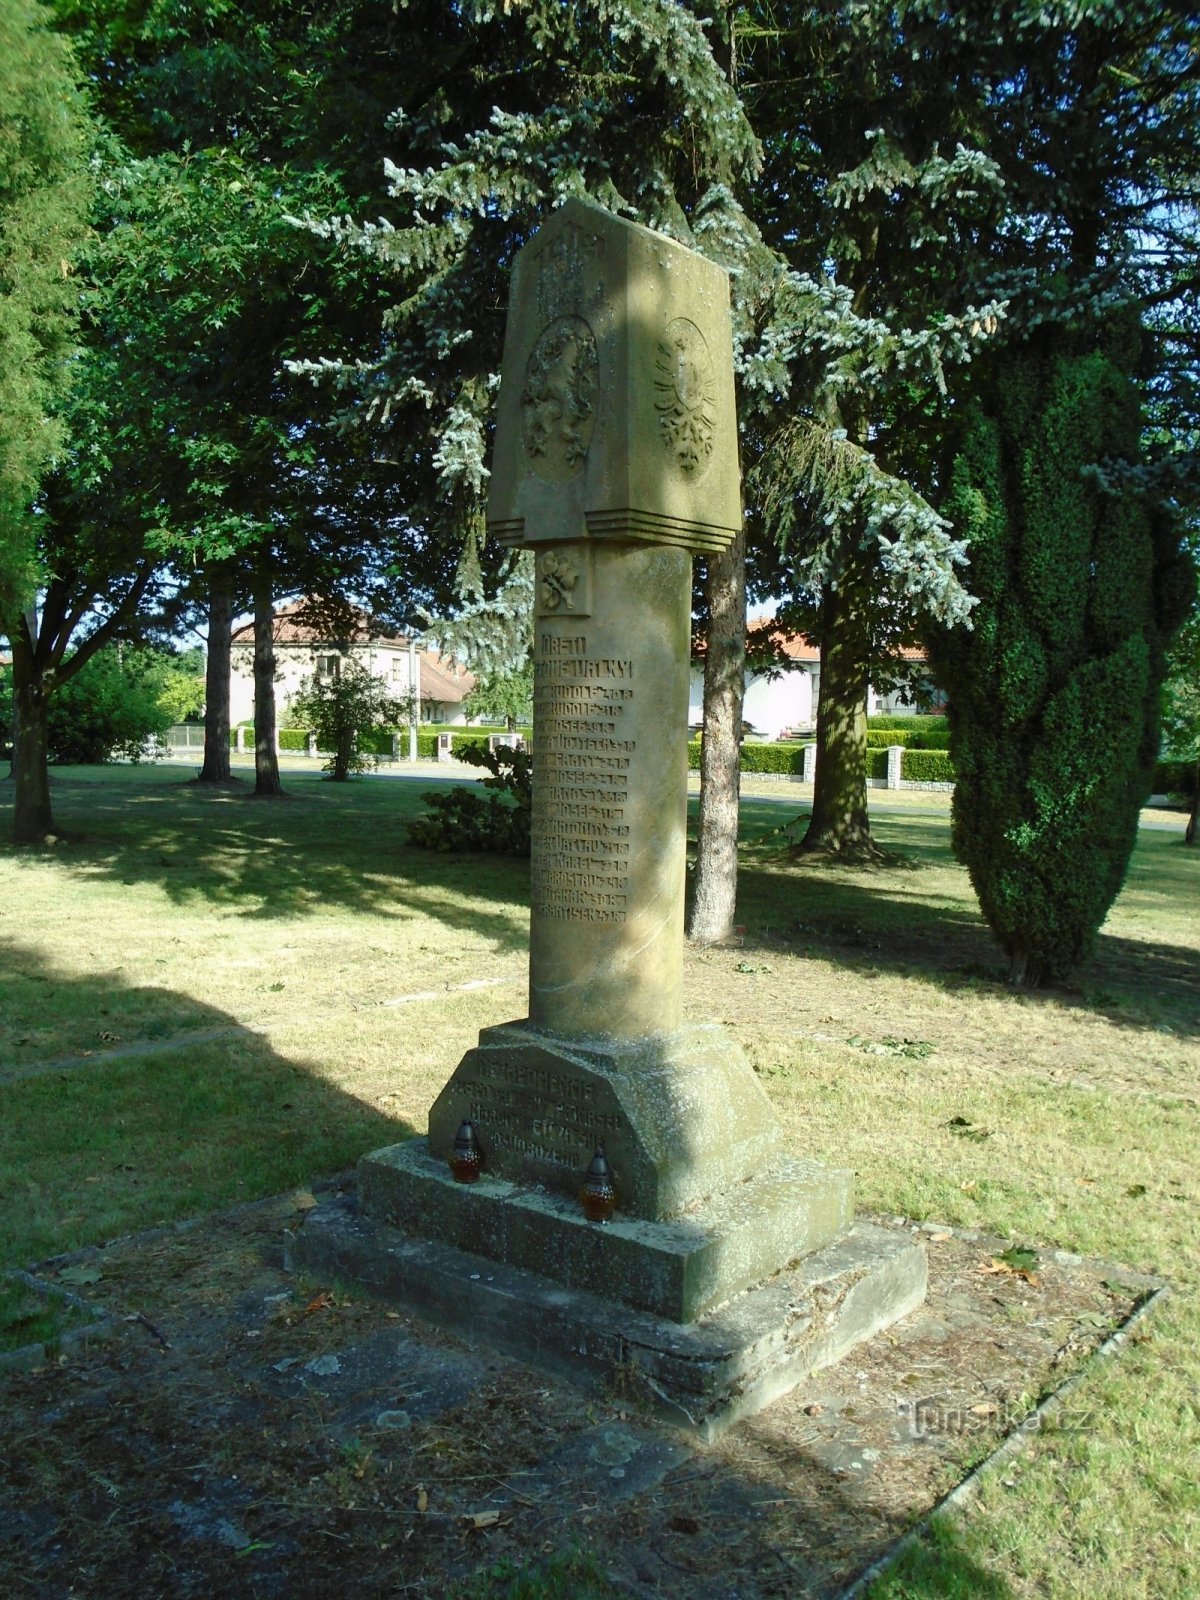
<point x="250" y="1431"/>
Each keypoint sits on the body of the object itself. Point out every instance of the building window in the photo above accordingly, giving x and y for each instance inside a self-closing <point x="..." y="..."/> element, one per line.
<point x="328" y="667"/>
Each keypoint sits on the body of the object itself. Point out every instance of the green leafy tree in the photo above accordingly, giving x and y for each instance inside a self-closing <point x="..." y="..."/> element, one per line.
<point x="112" y="708"/>
<point x="343" y="710"/>
<point x="1055" y="693"/>
<point x="117" y="705"/>
<point x="1181" y="713"/>
<point x="181" y="684"/>
<point x="44" y="211"/>
<point x="503" y="695"/>
<point x="230" y="119"/>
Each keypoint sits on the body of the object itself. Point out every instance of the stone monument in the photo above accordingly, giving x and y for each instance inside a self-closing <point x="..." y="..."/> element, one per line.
<point x="730" y="1266"/>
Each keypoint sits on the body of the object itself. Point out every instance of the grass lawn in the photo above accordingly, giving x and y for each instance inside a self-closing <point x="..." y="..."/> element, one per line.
<point x="327" y="978"/>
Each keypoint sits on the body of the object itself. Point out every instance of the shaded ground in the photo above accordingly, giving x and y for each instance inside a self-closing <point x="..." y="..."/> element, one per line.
<point x="245" y="1433"/>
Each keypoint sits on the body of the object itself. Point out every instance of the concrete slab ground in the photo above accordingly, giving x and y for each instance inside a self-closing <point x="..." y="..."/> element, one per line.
<point x="249" y="1431"/>
<point x="705" y="1374"/>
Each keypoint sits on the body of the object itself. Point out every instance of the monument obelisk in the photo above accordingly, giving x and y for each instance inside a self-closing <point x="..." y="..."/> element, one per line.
<point x="615" y="461"/>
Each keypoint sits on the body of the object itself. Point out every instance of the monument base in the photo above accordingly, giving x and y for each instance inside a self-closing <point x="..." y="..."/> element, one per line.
<point x="677" y="1268"/>
<point x="703" y="1375"/>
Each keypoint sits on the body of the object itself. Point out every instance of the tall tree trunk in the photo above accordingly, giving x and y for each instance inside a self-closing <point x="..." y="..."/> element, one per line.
<point x="32" y="817"/>
<point x="266" y="757"/>
<point x="216" y="678"/>
<point x="839" y="824"/>
<point x="1190" y="832"/>
<point x="715" y="892"/>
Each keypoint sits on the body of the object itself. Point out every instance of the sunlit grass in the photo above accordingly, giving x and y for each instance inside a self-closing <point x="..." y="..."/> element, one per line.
<point x="296" y="945"/>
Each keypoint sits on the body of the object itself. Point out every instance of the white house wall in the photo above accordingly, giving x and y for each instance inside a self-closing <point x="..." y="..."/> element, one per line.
<point x="295" y="662"/>
<point x="771" y="703"/>
<point x="788" y="701"/>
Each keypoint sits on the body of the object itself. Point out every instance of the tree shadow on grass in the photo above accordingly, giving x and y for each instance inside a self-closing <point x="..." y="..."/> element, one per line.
<point x="903" y="922"/>
<point x="94" y="1147"/>
<point x="330" y="846"/>
<point x="133" y="1140"/>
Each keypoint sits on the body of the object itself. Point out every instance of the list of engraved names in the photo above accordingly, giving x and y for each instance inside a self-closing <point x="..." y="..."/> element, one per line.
<point x="581" y="781"/>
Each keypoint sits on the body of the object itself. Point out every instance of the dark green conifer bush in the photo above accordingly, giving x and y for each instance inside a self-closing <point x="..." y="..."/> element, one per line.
<point x="1054" y="708"/>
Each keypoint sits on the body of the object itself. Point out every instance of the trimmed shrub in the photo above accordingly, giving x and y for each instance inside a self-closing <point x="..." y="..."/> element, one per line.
<point x="378" y="741"/>
<point x="877" y="763"/>
<point x="1081" y="581"/>
<point x="912" y="723"/>
<point x="694" y="755"/>
<point x="918" y="733"/>
<point x="771" y="758"/>
<point x="293" y="739"/>
<point x="927" y="766"/>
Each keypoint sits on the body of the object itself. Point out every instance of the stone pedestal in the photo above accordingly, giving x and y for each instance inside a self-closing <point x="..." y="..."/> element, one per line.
<point x="616" y="459"/>
<point x="681" y="1116"/>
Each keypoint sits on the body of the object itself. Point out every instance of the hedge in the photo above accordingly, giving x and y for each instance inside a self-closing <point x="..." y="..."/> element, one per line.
<point x="293" y="739"/>
<point x="877" y="763"/>
<point x="909" y="738"/>
<point x="912" y="721"/>
<point x="773" y="758"/>
<point x="926" y="766"/>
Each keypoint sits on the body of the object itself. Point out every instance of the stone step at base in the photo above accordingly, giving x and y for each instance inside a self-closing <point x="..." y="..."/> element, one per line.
<point x="677" y="1269"/>
<point x="703" y="1375"/>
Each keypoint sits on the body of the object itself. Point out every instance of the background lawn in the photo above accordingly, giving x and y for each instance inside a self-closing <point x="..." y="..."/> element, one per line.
<point x="207" y="997"/>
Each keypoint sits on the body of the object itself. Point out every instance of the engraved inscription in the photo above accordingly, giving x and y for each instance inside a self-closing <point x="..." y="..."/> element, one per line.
<point x="558" y="403"/>
<point x="582" y="758"/>
<point x="538" y="1113"/>
<point x="685" y="395"/>
<point x="568" y="267"/>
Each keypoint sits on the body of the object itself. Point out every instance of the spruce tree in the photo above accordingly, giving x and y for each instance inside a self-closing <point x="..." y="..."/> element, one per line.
<point x="1054" y="694"/>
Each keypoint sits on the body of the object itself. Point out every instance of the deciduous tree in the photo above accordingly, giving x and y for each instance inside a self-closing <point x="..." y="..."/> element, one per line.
<point x="341" y="709"/>
<point x="45" y="136"/>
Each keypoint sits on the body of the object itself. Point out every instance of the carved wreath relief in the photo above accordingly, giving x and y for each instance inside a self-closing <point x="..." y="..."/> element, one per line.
<point x="558" y="402"/>
<point x="685" y="394"/>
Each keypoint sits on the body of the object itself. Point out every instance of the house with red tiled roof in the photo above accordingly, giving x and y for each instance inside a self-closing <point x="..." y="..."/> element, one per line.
<point x="783" y="700"/>
<point x="303" y="649"/>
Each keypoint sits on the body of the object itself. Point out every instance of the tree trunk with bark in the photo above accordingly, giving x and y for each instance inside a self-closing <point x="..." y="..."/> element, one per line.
<point x="266" y="756"/>
<point x="839" y="824"/>
<point x="32" y="816"/>
<point x="1190" y="832"/>
<point x="41" y="665"/>
<point x="715" y="886"/>
<point x="216" y="679"/>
